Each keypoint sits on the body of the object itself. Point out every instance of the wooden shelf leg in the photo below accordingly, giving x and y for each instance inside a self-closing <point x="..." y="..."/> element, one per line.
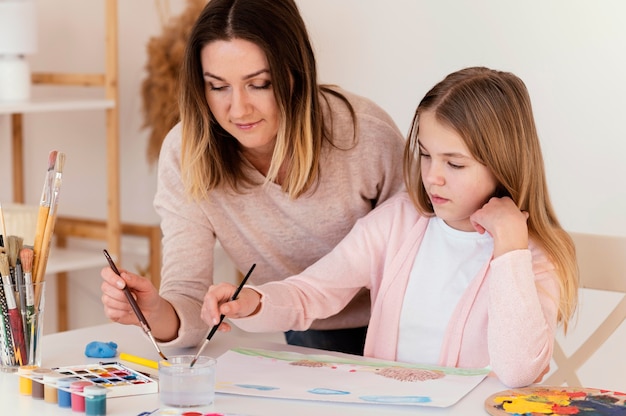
<point x="17" y="134"/>
<point x="62" y="294"/>
<point x="62" y="307"/>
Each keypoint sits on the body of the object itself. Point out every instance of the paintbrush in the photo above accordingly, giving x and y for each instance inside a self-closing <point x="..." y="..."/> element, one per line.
<point x="133" y="304"/>
<point x="3" y="230"/>
<point x="26" y="257"/>
<point x="13" y="247"/>
<point x="44" y="206"/>
<point x="6" y="341"/>
<point x="41" y="261"/>
<point x="214" y="329"/>
<point x="15" y="317"/>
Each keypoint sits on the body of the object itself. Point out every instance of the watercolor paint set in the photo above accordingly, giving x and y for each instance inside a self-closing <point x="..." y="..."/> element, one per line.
<point x="117" y="378"/>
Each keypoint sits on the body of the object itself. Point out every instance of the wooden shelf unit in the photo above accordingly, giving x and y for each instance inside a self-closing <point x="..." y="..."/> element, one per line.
<point x="63" y="260"/>
<point x="108" y="80"/>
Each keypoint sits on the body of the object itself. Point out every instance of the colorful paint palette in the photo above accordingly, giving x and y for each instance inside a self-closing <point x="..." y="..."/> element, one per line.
<point x="555" y="400"/>
<point x="119" y="379"/>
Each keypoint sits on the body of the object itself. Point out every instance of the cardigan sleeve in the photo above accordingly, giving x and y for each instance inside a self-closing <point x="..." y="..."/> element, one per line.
<point x="523" y="308"/>
<point x="325" y="287"/>
<point x="320" y="291"/>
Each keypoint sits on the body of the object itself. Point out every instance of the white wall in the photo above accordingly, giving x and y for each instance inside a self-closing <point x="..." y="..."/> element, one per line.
<point x="569" y="52"/>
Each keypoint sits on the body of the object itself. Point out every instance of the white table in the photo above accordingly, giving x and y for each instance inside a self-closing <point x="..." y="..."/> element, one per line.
<point x="67" y="348"/>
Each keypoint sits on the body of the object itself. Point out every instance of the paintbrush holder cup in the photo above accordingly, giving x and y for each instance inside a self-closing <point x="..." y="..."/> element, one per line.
<point x="20" y="333"/>
<point x="183" y="386"/>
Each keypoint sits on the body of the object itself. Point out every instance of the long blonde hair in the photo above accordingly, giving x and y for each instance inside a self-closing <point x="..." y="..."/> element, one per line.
<point x="211" y="157"/>
<point x="491" y="111"/>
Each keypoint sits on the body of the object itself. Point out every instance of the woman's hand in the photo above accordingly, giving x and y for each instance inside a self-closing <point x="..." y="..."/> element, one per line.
<point x="506" y="224"/>
<point x="217" y="301"/>
<point x="158" y="312"/>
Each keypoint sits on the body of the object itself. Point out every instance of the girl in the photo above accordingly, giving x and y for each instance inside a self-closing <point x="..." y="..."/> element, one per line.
<point x="272" y="165"/>
<point x="469" y="268"/>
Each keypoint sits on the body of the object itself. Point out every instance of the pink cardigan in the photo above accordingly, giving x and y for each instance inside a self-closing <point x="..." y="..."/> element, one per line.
<point x="506" y="319"/>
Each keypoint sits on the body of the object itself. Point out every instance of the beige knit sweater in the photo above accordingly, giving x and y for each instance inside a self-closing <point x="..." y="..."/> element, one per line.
<point x="263" y="226"/>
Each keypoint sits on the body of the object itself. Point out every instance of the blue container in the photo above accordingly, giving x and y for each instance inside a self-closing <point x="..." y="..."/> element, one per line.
<point x="64" y="396"/>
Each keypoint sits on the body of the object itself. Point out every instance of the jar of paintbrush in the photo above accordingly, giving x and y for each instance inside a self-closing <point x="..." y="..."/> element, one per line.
<point x="23" y="259"/>
<point x="21" y="308"/>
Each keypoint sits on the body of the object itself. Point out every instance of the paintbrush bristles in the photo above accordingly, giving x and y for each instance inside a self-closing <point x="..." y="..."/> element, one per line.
<point x="4" y="264"/>
<point x="60" y="163"/>
<point x="52" y="159"/>
<point x="26" y="257"/>
<point x="46" y="192"/>
<point x="13" y="245"/>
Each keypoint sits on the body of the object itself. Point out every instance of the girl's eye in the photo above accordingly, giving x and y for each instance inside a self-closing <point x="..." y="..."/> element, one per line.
<point x="424" y="155"/>
<point x="455" y="166"/>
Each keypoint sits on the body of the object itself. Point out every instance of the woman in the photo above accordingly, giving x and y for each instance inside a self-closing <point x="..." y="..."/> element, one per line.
<point x="272" y="165"/>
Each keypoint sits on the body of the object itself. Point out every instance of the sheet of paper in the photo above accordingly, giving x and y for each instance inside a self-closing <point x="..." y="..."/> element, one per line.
<point x="288" y="375"/>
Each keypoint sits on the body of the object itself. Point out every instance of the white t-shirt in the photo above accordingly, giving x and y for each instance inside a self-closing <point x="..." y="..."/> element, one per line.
<point x="445" y="264"/>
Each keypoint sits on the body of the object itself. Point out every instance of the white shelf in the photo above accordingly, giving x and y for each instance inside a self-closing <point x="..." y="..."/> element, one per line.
<point x="71" y="259"/>
<point x="41" y="105"/>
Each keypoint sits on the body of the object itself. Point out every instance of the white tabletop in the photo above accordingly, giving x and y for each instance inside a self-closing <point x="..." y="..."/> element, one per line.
<point x="67" y="348"/>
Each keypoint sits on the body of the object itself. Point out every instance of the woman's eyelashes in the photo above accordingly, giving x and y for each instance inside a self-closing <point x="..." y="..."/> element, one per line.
<point x="263" y="85"/>
<point x="213" y="87"/>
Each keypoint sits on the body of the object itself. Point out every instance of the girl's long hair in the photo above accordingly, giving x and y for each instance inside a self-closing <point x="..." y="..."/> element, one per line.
<point x="491" y="111"/>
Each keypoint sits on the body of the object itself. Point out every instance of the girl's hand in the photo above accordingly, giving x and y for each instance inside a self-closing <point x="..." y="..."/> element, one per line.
<point x="506" y="224"/>
<point x="217" y="302"/>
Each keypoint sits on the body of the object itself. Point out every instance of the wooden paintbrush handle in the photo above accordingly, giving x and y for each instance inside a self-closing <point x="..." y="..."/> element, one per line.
<point x="42" y="219"/>
<point x="38" y="274"/>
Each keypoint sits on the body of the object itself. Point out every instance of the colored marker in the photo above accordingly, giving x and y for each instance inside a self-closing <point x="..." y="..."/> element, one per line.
<point x="139" y="360"/>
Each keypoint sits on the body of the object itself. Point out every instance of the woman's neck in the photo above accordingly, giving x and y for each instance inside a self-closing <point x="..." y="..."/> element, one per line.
<point x="262" y="161"/>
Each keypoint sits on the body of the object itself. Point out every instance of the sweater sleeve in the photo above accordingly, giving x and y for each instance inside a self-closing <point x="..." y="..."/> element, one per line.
<point x="188" y="243"/>
<point x="523" y="307"/>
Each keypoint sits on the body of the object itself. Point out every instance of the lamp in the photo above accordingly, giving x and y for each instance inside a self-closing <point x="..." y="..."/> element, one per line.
<point x="18" y="37"/>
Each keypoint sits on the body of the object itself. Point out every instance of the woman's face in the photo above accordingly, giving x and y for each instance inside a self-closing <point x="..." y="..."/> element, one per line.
<point x="456" y="183"/>
<point x="238" y="89"/>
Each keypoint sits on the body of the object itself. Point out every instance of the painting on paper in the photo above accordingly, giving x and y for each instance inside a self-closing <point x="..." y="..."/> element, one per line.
<point x="350" y="379"/>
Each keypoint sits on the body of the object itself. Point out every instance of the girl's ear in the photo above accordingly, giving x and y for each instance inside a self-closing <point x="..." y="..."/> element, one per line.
<point x="501" y="192"/>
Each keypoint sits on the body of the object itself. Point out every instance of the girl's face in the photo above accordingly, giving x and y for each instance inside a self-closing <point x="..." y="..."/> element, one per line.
<point x="455" y="182"/>
<point x="239" y="93"/>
